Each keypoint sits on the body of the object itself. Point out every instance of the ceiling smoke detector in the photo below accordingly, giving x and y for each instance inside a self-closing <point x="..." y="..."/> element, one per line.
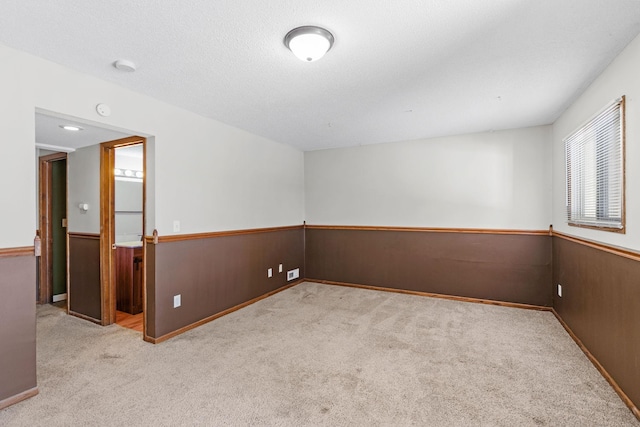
<point x="124" y="65"/>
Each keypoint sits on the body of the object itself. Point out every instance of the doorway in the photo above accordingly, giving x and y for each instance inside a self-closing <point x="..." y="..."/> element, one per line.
<point x="52" y="283"/>
<point x="129" y="232"/>
<point x="85" y="164"/>
<point x="122" y="219"/>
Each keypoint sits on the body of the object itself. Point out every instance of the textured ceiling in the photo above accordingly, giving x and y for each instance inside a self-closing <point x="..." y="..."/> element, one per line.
<point x="399" y="70"/>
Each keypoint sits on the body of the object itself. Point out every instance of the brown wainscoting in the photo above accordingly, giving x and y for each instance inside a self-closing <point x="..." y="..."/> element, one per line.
<point x="215" y="272"/>
<point x="196" y="236"/>
<point x="634" y="409"/>
<point x="432" y="230"/>
<point x="498" y="265"/>
<point x="635" y="256"/>
<point x="600" y="304"/>
<point x="149" y="291"/>
<point x="18" y="331"/>
<point x="220" y="314"/>
<point x="84" y="276"/>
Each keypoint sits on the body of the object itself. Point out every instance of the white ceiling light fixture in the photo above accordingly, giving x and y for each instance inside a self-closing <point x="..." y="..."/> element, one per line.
<point x="125" y="65"/>
<point x="72" y="128"/>
<point x="309" y="43"/>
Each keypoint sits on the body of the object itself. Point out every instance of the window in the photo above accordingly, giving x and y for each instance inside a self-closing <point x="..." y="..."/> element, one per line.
<point x="595" y="171"/>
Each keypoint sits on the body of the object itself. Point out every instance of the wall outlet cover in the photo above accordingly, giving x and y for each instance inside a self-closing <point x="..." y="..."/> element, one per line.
<point x="177" y="301"/>
<point x="270" y="272"/>
<point x="293" y="274"/>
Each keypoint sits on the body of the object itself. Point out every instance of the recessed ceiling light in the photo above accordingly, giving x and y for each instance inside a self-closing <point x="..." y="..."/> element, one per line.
<point x="125" y="65"/>
<point x="72" y="128"/>
<point x="309" y="43"/>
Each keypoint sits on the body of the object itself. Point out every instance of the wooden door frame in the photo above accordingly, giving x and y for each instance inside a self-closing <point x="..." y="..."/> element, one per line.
<point x="45" y="195"/>
<point x="107" y="226"/>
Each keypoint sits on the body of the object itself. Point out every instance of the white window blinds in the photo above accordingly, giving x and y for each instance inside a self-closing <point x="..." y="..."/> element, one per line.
<point x="595" y="170"/>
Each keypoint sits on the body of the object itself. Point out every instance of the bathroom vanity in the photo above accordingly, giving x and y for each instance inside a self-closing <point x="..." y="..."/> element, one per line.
<point x="129" y="270"/>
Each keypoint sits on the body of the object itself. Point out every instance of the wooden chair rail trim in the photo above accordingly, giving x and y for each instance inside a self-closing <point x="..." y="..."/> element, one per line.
<point x="634" y="409"/>
<point x="197" y="236"/>
<point x="18" y="398"/>
<point x="433" y="295"/>
<point x="217" y="315"/>
<point x="429" y="229"/>
<point x="601" y="246"/>
<point x="91" y="236"/>
<point x="13" y="252"/>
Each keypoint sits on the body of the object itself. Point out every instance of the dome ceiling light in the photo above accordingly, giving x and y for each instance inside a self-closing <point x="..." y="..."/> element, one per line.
<point x="309" y="43"/>
<point x="72" y="128"/>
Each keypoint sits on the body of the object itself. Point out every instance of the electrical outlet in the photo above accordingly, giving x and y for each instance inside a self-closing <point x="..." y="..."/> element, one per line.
<point x="293" y="274"/>
<point x="177" y="301"/>
<point x="270" y="272"/>
<point x="559" y="290"/>
<point x="280" y="268"/>
<point x="176" y="226"/>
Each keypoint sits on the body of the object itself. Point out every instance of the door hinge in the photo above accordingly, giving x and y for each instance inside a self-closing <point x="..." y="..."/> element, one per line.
<point x="64" y="222"/>
<point x="37" y="246"/>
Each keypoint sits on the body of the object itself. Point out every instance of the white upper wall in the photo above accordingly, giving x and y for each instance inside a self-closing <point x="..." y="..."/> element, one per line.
<point x="83" y="186"/>
<point x="206" y="174"/>
<point x="620" y="78"/>
<point x="497" y="180"/>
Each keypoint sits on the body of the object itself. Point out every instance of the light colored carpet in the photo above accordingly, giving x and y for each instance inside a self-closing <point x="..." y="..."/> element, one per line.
<point x="323" y="355"/>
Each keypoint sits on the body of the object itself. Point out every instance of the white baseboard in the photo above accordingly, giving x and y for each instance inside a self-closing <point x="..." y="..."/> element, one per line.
<point x="59" y="297"/>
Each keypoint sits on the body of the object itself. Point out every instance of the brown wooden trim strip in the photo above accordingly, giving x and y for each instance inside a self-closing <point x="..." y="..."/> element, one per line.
<point x="53" y="157"/>
<point x="21" y="251"/>
<point x="595" y="227"/>
<point x="123" y="142"/>
<point x="217" y="315"/>
<point x="601" y="246"/>
<point x="92" y="236"/>
<point x="84" y="317"/>
<point x="18" y="398"/>
<point x="430" y="230"/>
<point x="432" y="295"/>
<point x="196" y="236"/>
<point x="634" y="409"/>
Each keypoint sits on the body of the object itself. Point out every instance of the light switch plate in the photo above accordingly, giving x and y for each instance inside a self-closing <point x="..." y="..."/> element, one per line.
<point x="177" y="301"/>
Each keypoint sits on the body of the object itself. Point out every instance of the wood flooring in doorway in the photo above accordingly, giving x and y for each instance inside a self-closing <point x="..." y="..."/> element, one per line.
<point x="131" y="321"/>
